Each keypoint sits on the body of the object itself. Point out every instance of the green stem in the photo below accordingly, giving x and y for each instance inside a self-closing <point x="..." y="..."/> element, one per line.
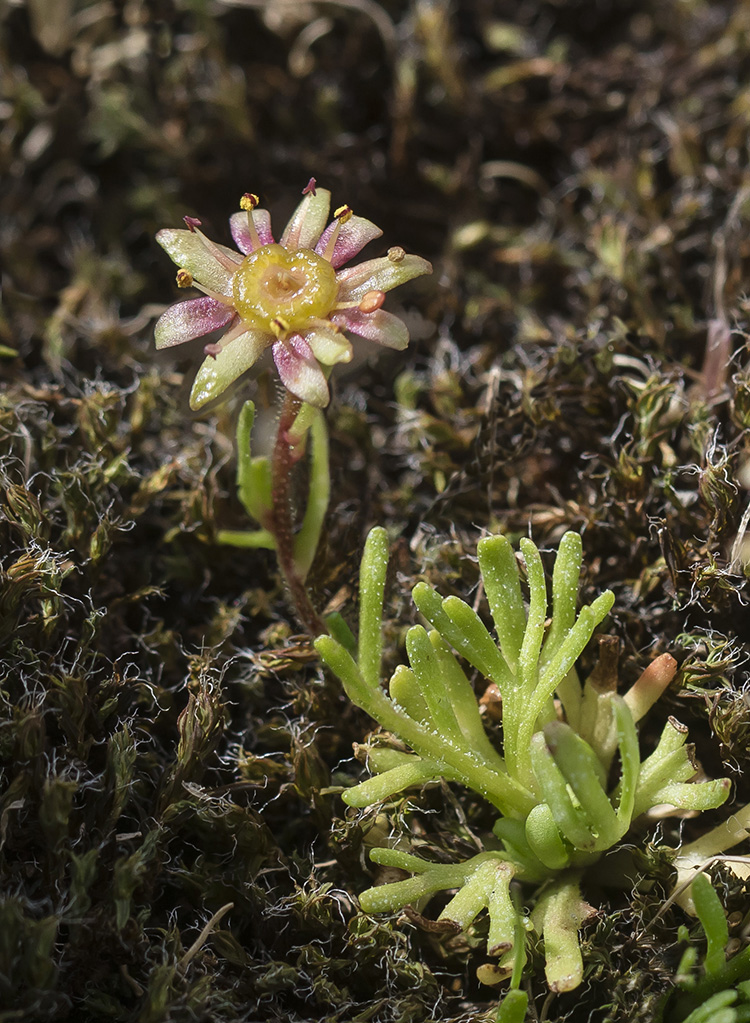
<point x="319" y="494"/>
<point x="281" y="525"/>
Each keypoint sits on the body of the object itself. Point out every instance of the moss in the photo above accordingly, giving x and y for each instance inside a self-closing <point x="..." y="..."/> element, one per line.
<point x="577" y="174"/>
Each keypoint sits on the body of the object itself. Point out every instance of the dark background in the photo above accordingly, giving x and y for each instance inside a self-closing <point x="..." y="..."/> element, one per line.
<point x="578" y="174"/>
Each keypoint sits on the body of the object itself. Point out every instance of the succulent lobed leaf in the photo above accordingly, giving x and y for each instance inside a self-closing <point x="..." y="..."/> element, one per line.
<point x="552" y="782"/>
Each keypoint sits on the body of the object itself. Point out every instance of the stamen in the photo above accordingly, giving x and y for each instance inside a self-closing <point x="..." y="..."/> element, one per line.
<point x="237" y="329"/>
<point x="219" y="256"/>
<point x="396" y="254"/>
<point x="342" y="214"/>
<point x="331" y="243"/>
<point x="186" y="280"/>
<point x="191" y="223"/>
<point x="321" y="324"/>
<point x="248" y="202"/>
<point x="371" y="301"/>
<point x="310" y="187"/>
<point x="213" y="348"/>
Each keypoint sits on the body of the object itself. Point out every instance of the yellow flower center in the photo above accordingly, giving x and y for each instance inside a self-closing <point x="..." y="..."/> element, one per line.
<point x="273" y="286"/>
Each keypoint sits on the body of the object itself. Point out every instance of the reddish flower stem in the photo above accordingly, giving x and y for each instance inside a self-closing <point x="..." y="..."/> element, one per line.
<point x="282" y="526"/>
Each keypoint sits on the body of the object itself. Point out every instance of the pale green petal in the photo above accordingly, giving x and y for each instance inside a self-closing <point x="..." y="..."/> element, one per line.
<point x="379" y="275"/>
<point x="190" y="252"/>
<point x="308" y="221"/>
<point x="328" y="346"/>
<point x="217" y="373"/>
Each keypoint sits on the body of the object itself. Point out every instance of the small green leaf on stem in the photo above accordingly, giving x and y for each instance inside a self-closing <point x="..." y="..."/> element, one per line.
<point x="371" y="595"/>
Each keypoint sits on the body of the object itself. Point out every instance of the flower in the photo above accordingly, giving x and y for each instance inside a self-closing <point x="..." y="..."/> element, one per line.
<point x="289" y="295"/>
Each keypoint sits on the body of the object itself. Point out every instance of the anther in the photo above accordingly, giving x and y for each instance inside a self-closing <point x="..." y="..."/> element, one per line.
<point x="249" y="201"/>
<point x="396" y="254"/>
<point x="213" y="348"/>
<point x="309" y="187"/>
<point x="343" y="213"/>
<point x="191" y="223"/>
<point x="184" y="279"/>
<point x="279" y="326"/>
<point x="371" y="301"/>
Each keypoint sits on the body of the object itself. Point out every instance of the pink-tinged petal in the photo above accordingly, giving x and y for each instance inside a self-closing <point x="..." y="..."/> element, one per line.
<point x="187" y="320"/>
<point x="188" y="250"/>
<point x="218" y="372"/>
<point x="328" y="346"/>
<point x="379" y="326"/>
<point x="244" y="241"/>
<point x="308" y="221"/>
<point x="352" y="238"/>
<point x="299" y="370"/>
<point x="379" y="275"/>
